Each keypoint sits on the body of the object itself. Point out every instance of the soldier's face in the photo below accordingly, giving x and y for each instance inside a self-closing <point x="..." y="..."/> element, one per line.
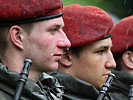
<point x="94" y="63"/>
<point x="44" y="46"/>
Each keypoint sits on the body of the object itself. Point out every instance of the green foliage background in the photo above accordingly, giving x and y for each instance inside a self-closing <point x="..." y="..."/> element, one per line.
<point x="121" y="8"/>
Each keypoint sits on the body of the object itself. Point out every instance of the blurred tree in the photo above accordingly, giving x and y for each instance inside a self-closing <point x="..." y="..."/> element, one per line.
<point x="120" y="8"/>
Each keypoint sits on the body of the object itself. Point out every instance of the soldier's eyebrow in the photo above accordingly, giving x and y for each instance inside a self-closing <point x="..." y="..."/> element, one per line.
<point x="56" y="25"/>
<point x="106" y="46"/>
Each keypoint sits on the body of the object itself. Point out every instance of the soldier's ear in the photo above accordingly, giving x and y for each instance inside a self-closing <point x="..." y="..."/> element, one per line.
<point x="65" y="59"/>
<point x="16" y="36"/>
<point x="128" y="59"/>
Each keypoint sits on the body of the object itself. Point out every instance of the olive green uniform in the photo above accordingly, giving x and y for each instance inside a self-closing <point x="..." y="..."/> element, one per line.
<point x="47" y="89"/>
<point x="120" y="86"/>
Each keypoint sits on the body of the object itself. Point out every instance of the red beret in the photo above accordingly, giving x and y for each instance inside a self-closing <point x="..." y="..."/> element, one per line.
<point x="22" y="11"/>
<point x="85" y="24"/>
<point x="122" y="35"/>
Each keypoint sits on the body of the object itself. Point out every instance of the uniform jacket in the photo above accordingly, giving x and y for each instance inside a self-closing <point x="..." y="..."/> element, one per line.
<point x="74" y="88"/>
<point x="47" y="87"/>
<point x="120" y="86"/>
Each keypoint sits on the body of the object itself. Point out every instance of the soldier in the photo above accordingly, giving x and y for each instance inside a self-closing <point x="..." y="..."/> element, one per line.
<point x="31" y="29"/>
<point x="123" y="54"/>
<point x="84" y="68"/>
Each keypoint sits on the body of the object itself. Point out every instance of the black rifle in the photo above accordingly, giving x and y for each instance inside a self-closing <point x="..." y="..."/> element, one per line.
<point x="22" y="79"/>
<point x="131" y="92"/>
<point x="105" y="87"/>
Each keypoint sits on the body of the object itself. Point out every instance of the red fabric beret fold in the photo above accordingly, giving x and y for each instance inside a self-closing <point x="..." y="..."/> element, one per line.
<point x="122" y="35"/>
<point x="22" y="11"/>
<point x="85" y="24"/>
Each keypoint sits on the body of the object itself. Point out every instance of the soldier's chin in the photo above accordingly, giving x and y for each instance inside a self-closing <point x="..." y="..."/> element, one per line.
<point x="54" y="66"/>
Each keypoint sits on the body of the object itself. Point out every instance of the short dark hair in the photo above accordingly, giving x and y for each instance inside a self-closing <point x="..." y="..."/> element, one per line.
<point x="76" y="50"/>
<point x="118" y="58"/>
<point x="4" y="33"/>
<point x="3" y="38"/>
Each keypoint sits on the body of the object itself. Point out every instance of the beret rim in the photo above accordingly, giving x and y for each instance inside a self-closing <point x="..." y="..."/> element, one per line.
<point x="106" y="36"/>
<point x="29" y="20"/>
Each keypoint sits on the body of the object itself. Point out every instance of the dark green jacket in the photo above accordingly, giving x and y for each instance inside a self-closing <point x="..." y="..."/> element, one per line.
<point x="48" y="89"/>
<point x="74" y="88"/>
<point x="120" y="86"/>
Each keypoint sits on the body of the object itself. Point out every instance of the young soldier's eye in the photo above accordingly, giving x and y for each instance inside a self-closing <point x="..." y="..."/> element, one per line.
<point x="54" y="29"/>
<point x="100" y="52"/>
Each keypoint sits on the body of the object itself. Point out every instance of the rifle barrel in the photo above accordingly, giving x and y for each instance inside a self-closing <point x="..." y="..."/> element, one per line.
<point x="105" y="87"/>
<point x="22" y="79"/>
<point x="131" y="92"/>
